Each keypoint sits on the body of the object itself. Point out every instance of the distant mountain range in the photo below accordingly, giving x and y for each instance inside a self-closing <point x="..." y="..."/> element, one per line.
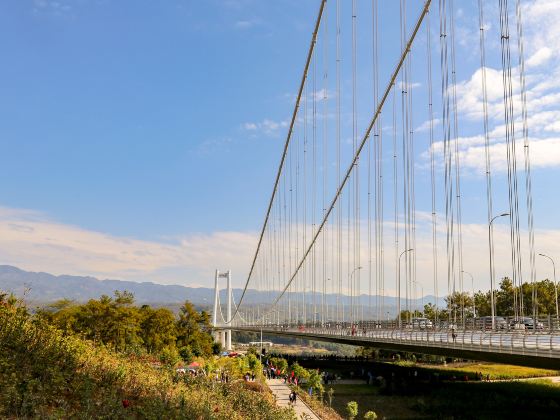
<point x="45" y="287"/>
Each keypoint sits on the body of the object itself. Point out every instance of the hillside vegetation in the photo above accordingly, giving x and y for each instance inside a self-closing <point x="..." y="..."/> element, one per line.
<point x="46" y="374"/>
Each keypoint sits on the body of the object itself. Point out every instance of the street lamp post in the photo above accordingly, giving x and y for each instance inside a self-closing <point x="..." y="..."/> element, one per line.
<point x="350" y="281"/>
<point x="326" y="316"/>
<point x="555" y="285"/>
<point x="472" y="285"/>
<point x="492" y="268"/>
<point x="399" y="287"/>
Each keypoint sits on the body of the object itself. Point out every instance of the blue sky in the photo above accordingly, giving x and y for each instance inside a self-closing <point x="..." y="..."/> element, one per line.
<point x="118" y="114"/>
<point x="140" y="139"/>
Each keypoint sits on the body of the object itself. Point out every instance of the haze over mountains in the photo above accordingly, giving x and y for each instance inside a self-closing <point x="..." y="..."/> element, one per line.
<point x="45" y="287"/>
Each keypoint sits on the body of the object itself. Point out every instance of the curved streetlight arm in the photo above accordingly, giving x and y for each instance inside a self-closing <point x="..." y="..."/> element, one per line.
<point x="406" y="250"/>
<point x="555" y="284"/>
<point x="353" y="271"/>
<point x="350" y="281"/>
<point x="399" y="286"/>
<point x="493" y="310"/>
<point x="499" y="215"/>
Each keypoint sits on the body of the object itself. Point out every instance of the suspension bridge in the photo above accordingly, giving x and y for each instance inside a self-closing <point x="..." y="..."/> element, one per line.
<point x="368" y="204"/>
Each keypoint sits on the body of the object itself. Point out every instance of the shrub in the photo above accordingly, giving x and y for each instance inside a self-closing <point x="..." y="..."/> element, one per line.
<point x="370" y="415"/>
<point x="44" y="374"/>
<point x="352" y="410"/>
<point x="186" y="354"/>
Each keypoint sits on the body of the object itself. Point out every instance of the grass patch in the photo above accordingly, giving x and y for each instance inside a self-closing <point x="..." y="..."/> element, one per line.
<point x="530" y="399"/>
<point x="538" y="398"/>
<point x="498" y="371"/>
<point x="370" y="399"/>
<point x="545" y="382"/>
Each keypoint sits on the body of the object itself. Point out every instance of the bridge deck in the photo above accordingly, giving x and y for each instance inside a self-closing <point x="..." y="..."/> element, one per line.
<point x="539" y="349"/>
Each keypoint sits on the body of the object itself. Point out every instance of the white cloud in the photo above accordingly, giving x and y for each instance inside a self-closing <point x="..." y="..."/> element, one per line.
<point x="32" y="241"/>
<point x="265" y="127"/>
<point x="540" y="57"/>
<point x="52" y="7"/>
<point x="542" y="39"/>
<point x="411" y="85"/>
<point x="243" y="24"/>
<point x="247" y="23"/>
<point x="250" y="126"/>
<point x="425" y="126"/>
<point x="475" y="257"/>
<point x="210" y="146"/>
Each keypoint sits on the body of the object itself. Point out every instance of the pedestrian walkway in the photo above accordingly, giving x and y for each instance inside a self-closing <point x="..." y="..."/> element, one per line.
<point x="281" y="391"/>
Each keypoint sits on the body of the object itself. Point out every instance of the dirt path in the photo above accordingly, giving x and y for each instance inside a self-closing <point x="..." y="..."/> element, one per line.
<point x="281" y="391"/>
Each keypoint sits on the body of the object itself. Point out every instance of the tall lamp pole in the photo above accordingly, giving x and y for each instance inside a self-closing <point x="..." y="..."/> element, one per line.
<point x="555" y="285"/>
<point x="492" y="268"/>
<point x="399" y="286"/>
<point x="350" y="281"/>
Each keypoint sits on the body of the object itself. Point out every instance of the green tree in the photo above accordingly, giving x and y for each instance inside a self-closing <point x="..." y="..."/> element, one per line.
<point x="157" y="329"/>
<point x="541" y="297"/>
<point x="505" y="298"/>
<point x="482" y="303"/>
<point x="280" y="363"/>
<point x="314" y="382"/>
<point x="253" y="364"/>
<point x="406" y="316"/>
<point x="169" y="356"/>
<point x="458" y="304"/>
<point x="113" y="321"/>
<point x="299" y="371"/>
<point x="431" y="312"/>
<point x="193" y="329"/>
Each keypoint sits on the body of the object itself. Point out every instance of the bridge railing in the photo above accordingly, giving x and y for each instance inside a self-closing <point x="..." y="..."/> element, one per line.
<point x="507" y="341"/>
<point x="543" y="324"/>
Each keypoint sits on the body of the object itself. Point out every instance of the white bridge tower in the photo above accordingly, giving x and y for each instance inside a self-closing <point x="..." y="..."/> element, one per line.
<point x="222" y="336"/>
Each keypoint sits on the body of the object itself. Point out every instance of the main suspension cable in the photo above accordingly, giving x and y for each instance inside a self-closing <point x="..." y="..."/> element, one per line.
<point x="286" y="145"/>
<point x="365" y="138"/>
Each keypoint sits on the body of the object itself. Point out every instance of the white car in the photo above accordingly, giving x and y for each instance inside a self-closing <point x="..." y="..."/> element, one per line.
<point x="421" y="323"/>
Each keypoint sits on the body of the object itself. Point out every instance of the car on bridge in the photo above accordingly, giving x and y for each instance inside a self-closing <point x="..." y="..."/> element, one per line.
<point x="420" y="323"/>
<point x="525" y="322"/>
<point x="485" y="323"/>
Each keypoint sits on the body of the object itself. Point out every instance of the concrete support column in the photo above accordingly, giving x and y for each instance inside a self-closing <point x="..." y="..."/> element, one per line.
<point x="229" y="297"/>
<point x="215" y="309"/>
